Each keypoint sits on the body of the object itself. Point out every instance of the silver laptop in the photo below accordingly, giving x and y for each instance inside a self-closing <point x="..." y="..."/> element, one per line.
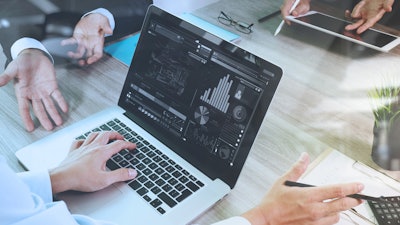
<point x="193" y="103"/>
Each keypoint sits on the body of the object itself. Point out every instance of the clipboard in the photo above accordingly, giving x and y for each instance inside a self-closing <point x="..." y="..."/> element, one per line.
<point x="333" y="167"/>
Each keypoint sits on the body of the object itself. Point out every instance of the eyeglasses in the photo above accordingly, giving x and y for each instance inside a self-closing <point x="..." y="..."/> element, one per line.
<point x="239" y="25"/>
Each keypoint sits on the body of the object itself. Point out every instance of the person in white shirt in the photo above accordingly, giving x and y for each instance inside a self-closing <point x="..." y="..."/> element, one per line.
<point x="89" y="34"/>
<point x="33" y="72"/>
<point x="26" y="198"/>
<point x="35" y="83"/>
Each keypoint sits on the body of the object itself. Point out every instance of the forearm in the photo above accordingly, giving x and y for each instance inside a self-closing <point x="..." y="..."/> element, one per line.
<point x="60" y="181"/>
<point x="255" y="216"/>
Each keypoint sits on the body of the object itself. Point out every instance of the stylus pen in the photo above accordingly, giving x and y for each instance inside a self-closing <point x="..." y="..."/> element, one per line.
<point x="267" y="17"/>
<point x="283" y="21"/>
<point x="356" y="196"/>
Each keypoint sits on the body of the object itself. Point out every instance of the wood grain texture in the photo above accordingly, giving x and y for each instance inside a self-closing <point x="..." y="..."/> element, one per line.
<point x="321" y="102"/>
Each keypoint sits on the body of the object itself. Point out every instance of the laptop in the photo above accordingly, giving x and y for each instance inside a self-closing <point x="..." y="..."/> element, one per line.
<point x="193" y="103"/>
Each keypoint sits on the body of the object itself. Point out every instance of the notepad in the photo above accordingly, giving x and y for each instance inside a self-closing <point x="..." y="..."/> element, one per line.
<point x="334" y="167"/>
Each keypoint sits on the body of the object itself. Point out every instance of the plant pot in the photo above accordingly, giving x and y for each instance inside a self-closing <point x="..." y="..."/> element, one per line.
<point x="386" y="145"/>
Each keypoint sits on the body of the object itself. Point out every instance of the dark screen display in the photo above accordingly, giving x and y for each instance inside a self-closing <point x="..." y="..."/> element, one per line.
<point x="191" y="92"/>
<point x="203" y="97"/>
<point x="371" y="37"/>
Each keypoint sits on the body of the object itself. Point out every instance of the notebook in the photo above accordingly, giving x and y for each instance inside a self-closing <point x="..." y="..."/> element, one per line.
<point x="193" y="103"/>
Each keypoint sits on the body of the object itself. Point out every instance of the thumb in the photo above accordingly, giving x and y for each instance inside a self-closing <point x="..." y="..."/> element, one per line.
<point x="8" y="74"/>
<point x="356" y="13"/>
<point x="68" y="41"/>
<point x="387" y="5"/>
<point x="107" y="29"/>
<point x="298" y="168"/>
<point x="122" y="174"/>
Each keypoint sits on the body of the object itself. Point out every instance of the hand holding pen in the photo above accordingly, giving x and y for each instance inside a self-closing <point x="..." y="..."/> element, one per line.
<point x="356" y="196"/>
<point x="292" y="205"/>
<point x="293" y="7"/>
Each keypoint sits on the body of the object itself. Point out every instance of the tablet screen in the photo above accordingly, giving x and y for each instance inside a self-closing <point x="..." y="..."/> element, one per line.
<point x="335" y="25"/>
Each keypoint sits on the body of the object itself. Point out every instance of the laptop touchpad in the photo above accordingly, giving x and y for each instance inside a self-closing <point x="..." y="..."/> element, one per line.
<point x="86" y="203"/>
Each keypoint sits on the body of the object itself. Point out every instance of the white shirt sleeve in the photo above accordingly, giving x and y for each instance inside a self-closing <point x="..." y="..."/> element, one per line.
<point x="105" y="13"/>
<point x="38" y="183"/>
<point x="25" y="43"/>
<point x="26" y="199"/>
<point x="237" y="220"/>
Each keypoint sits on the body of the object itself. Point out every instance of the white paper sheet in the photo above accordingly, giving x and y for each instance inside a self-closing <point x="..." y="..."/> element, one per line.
<point x="339" y="168"/>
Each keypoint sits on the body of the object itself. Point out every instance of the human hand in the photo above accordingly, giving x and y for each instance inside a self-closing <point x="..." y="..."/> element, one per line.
<point x="35" y="83"/>
<point x="84" y="168"/>
<point x="367" y="13"/>
<point x="296" y="205"/>
<point x="89" y="34"/>
<point x="301" y="8"/>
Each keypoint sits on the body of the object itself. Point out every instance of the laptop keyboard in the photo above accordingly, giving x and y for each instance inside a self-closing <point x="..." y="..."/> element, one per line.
<point x="161" y="181"/>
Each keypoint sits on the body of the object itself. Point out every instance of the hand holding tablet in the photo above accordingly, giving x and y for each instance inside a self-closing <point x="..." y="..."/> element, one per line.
<point x="371" y="38"/>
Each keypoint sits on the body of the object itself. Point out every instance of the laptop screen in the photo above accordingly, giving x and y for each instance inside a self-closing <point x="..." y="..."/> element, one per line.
<point x="203" y="97"/>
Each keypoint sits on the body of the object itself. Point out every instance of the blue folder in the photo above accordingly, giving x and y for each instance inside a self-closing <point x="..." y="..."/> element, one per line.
<point x="123" y="50"/>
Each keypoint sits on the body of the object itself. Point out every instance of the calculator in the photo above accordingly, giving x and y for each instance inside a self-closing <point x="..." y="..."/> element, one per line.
<point x="386" y="213"/>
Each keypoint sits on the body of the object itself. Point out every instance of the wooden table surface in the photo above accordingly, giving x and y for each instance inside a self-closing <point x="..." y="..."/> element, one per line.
<point x="322" y="100"/>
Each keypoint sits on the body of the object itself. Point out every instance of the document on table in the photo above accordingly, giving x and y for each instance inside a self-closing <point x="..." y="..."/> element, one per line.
<point x="334" y="167"/>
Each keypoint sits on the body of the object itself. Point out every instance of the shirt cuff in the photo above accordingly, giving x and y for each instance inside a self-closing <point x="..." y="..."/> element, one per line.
<point x="39" y="183"/>
<point x="25" y="43"/>
<point x="105" y="13"/>
<point x="237" y="220"/>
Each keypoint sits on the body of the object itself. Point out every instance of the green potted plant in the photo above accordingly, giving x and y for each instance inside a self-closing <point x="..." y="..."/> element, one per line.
<point x="386" y="110"/>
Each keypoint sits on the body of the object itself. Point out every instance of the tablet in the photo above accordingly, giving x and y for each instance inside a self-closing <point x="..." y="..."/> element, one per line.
<point x="371" y="38"/>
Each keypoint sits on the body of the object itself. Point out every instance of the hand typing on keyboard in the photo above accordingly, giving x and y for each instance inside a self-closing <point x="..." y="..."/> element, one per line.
<point x="84" y="168"/>
<point x="160" y="181"/>
<point x="163" y="183"/>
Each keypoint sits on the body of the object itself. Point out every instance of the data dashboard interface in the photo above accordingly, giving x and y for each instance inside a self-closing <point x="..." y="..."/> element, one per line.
<point x="194" y="88"/>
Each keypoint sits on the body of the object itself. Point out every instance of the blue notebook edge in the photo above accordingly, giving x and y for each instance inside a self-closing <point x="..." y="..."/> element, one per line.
<point x="124" y="49"/>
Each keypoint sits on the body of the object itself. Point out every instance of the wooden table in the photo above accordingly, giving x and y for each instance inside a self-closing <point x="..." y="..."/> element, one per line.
<point x="322" y="101"/>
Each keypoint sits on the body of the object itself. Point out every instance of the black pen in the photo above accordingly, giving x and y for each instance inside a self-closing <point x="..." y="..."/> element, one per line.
<point x="269" y="16"/>
<point x="356" y="196"/>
